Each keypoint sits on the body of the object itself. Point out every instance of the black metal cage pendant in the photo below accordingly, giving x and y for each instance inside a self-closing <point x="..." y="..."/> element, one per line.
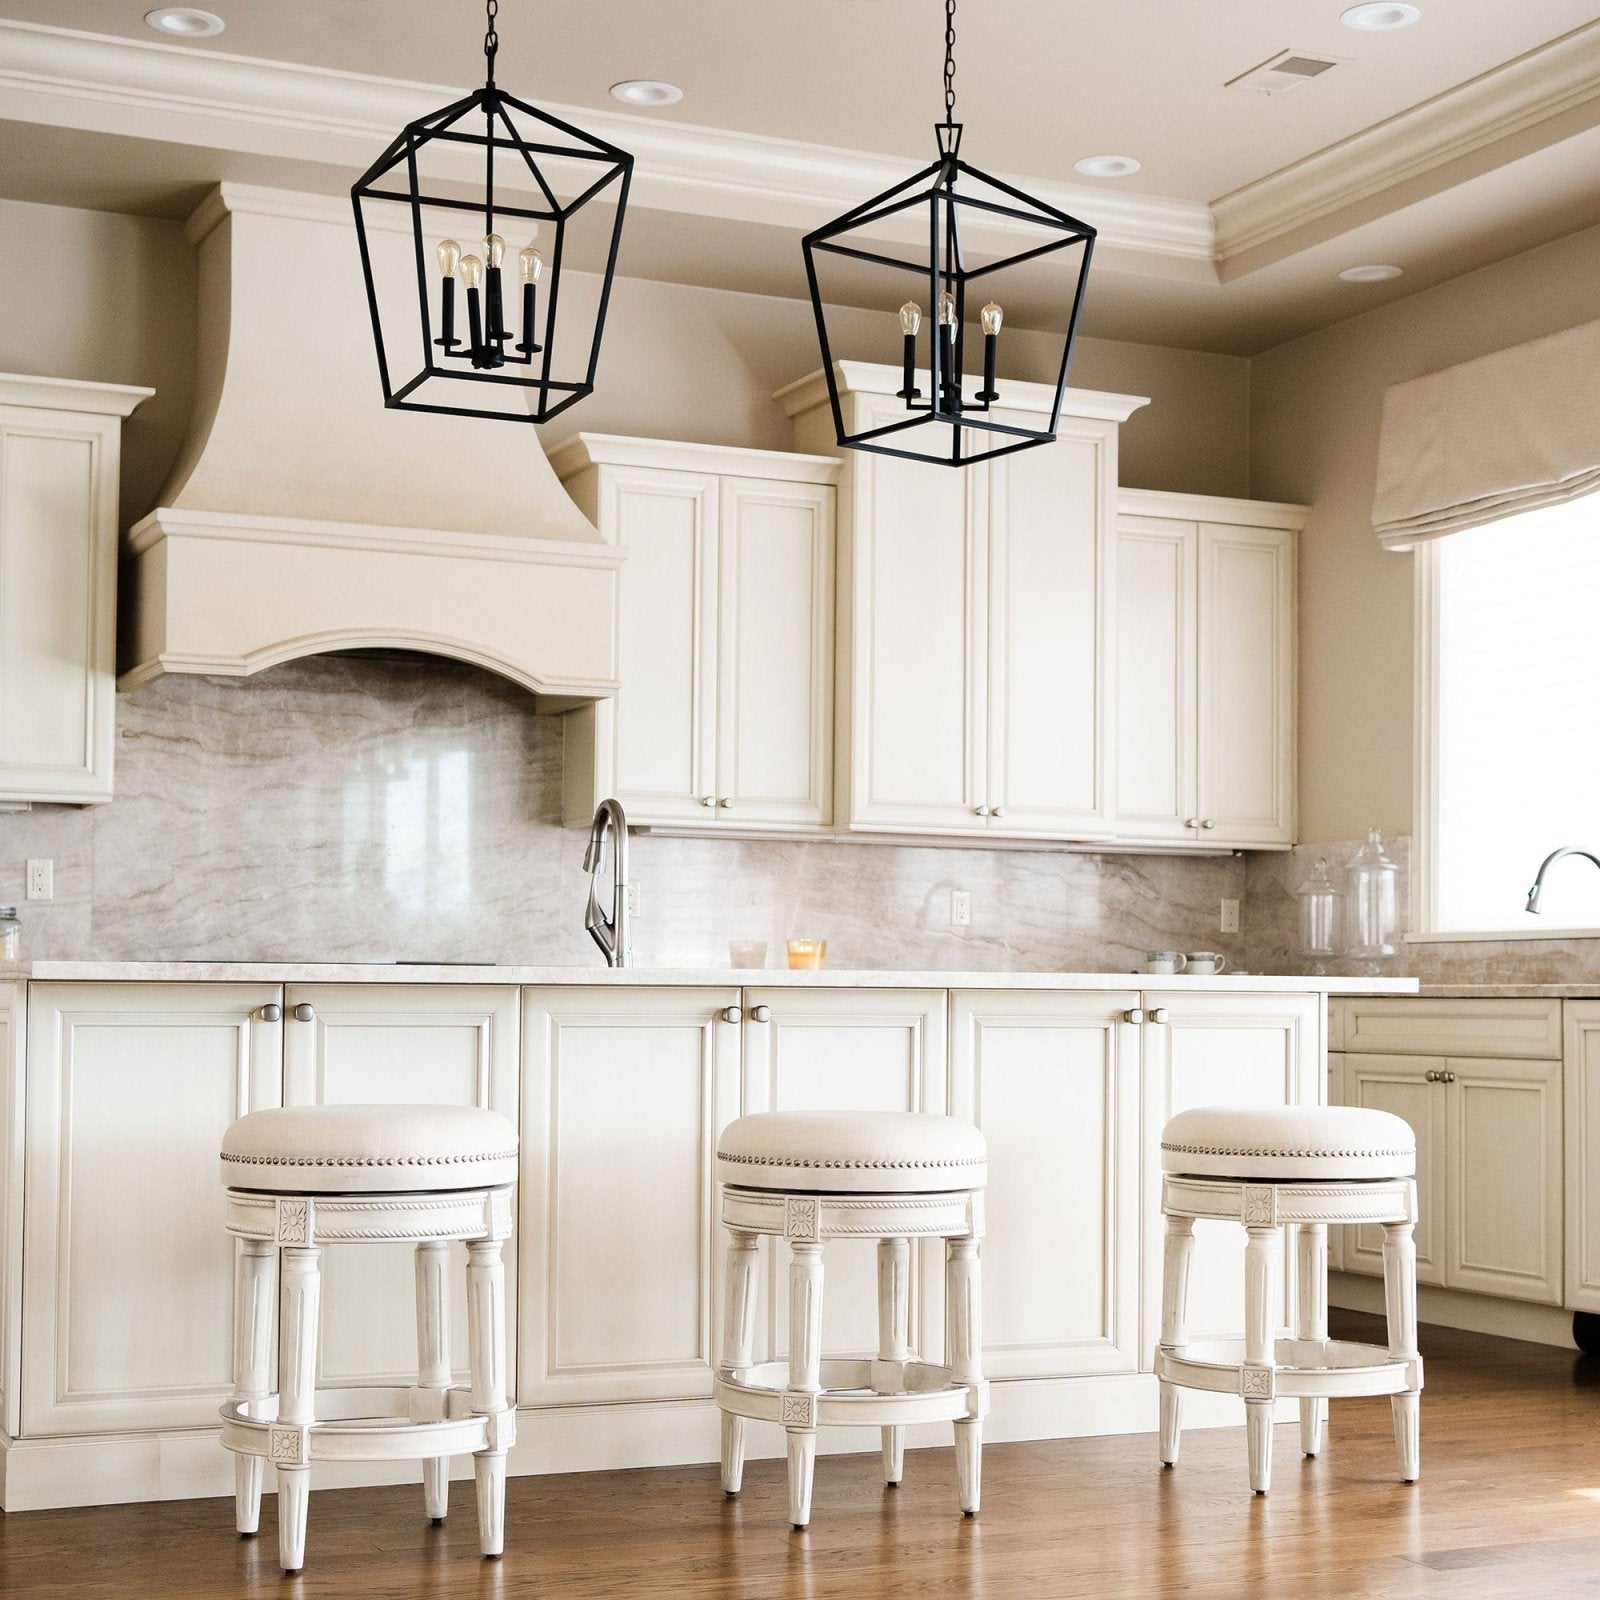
<point x="874" y="255"/>
<point x="486" y="315"/>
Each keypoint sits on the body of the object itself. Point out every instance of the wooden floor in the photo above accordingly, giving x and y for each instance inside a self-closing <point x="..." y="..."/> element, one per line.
<point x="1509" y="1506"/>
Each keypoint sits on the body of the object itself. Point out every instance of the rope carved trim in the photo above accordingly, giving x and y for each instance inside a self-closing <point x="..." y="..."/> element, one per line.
<point x="870" y="1166"/>
<point x="1286" y="1155"/>
<point x="369" y="1161"/>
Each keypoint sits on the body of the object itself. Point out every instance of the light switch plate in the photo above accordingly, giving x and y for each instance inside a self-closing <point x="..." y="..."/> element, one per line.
<point x="633" y="899"/>
<point x="41" y="880"/>
<point x="960" y="908"/>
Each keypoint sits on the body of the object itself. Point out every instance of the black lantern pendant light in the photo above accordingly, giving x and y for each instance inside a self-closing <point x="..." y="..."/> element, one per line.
<point x="450" y="304"/>
<point x="865" y="264"/>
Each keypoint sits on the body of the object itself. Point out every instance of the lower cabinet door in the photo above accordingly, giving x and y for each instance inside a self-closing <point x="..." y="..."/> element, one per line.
<point x="849" y="1050"/>
<point x="414" y="1044"/>
<point x="127" y="1298"/>
<point x="1220" y="1049"/>
<point x="1504" y="1208"/>
<point x="623" y="1094"/>
<point x="1411" y="1088"/>
<point x="1053" y="1082"/>
<point x="1581" y="1115"/>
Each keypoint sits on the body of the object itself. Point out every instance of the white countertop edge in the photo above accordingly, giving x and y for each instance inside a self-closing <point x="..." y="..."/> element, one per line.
<point x="674" y="977"/>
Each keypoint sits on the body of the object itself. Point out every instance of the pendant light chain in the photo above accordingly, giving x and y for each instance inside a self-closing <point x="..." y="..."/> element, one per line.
<point x="491" y="39"/>
<point x="949" y="62"/>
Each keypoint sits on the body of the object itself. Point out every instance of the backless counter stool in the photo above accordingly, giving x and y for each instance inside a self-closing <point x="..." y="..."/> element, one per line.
<point x="1304" y="1166"/>
<point x="811" y="1176"/>
<point x="305" y="1176"/>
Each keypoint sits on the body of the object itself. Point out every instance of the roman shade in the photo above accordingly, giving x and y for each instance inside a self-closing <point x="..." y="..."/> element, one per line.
<point x="1508" y="432"/>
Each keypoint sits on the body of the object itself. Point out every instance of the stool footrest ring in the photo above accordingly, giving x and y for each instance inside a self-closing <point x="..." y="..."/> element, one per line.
<point x="1302" y="1368"/>
<point x="847" y="1397"/>
<point x="369" y="1422"/>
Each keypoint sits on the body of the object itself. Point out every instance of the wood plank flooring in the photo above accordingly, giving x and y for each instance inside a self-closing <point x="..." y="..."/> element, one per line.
<point x="1509" y="1506"/>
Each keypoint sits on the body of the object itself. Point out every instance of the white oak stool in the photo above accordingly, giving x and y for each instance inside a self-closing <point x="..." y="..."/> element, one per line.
<point x="810" y="1176"/>
<point x="305" y="1176"/>
<point x="1304" y="1167"/>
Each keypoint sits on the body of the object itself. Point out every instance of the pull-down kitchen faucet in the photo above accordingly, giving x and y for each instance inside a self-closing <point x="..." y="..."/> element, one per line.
<point x="1544" y="867"/>
<point x="610" y="932"/>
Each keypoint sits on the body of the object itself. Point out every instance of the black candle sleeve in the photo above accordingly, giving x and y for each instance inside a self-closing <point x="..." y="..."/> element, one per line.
<point x="447" y="340"/>
<point x="909" y="389"/>
<point x="475" y="329"/>
<point x="494" y="310"/>
<point x="991" y="344"/>
<point x="949" y="380"/>
<point x="528" y="346"/>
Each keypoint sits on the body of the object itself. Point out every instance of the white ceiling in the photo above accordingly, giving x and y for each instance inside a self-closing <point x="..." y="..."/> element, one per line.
<point x="1423" y="146"/>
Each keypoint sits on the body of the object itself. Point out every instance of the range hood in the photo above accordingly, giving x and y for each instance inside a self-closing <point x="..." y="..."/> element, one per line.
<point x="302" y="517"/>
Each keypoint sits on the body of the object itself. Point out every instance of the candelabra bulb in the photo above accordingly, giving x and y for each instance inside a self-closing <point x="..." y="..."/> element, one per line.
<point x="910" y="318"/>
<point x="992" y="316"/>
<point x="531" y="263"/>
<point x="947" y="310"/>
<point x="449" y="254"/>
<point x="494" y="249"/>
<point x="471" y="271"/>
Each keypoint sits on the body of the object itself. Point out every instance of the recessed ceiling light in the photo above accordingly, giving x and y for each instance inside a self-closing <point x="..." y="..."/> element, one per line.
<point x="1106" y="166"/>
<point x="1372" y="274"/>
<point x="184" y="22"/>
<point x="646" y="92"/>
<point x="1380" y="17"/>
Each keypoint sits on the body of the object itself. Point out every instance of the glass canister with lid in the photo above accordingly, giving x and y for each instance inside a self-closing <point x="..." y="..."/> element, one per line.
<point x="10" y="934"/>
<point x="1372" y="879"/>
<point x="1319" y="901"/>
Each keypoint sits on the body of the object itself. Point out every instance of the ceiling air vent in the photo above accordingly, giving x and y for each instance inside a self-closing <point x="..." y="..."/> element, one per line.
<point x="1287" y="70"/>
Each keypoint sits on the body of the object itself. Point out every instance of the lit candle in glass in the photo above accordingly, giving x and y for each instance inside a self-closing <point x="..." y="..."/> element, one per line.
<point x="949" y="379"/>
<point x="531" y="264"/>
<point x="910" y="322"/>
<point x="807" y="955"/>
<point x="494" y="255"/>
<point x="449" y="253"/>
<point x="991" y="316"/>
<point x="471" y="277"/>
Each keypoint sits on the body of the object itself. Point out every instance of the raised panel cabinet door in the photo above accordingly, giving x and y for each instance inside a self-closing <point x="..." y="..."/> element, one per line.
<point x="1051" y="562"/>
<point x="1156" y="660"/>
<point x="1581" y="1116"/>
<point x="1053" y="1082"/>
<point x="1504" y="1208"/>
<point x="127" y="1297"/>
<point x="849" y="1050"/>
<point x="13" y="1035"/>
<point x="658" y="733"/>
<point x="918" y="744"/>
<point x="1409" y="1087"/>
<point x="1213" y="1050"/>
<point x="775" y="652"/>
<point x="624" y="1094"/>
<point x="393" y="1044"/>
<point x="58" y="539"/>
<point x="1247" y="657"/>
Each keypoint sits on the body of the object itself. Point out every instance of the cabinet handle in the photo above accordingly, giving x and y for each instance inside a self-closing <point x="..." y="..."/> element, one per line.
<point x="1193" y="822"/>
<point x="1159" y="1015"/>
<point x="999" y="811"/>
<point x="709" y="800"/>
<point x="761" y="1013"/>
<point x="1208" y="823"/>
<point x="732" y="1014"/>
<point x="1135" y="1016"/>
<point x="980" y="811"/>
<point x="726" y="804"/>
<point x="305" y="1013"/>
<point x="270" y="1013"/>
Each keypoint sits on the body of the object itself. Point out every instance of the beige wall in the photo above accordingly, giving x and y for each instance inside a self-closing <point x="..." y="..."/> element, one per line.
<point x="1314" y="416"/>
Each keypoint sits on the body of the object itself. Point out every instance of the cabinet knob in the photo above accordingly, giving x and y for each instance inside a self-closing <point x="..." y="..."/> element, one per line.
<point x="761" y="1013"/>
<point x="1135" y="1015"/>
<point x="1193" y="822"/>
<point x="725" y="803"/>
<point x="1159" y="1014"/>
<point x="1447" y="1077"/>
<point x="270" y="1013"/>
<point x="709" y="800"/>
<point x="1430" y="1076"/>
<point x="305" y="1013"/>
<point x="732" y="1014"/>
<point x="980" y="811"/>
<point x="1208" y="823"/>
<point x="999" y="811"/>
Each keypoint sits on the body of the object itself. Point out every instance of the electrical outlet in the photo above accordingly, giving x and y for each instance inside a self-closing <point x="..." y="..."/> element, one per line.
<point x="41" y="880"/>
<point x="960" y="908"/>
<point x="1229" y="920"/>
<point x="633" y="899"/>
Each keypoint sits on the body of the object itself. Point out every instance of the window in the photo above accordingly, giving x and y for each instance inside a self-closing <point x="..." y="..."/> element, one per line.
<point x="1511" y="751"/>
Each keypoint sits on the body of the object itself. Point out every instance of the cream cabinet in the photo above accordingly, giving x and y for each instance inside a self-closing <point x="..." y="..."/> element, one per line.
<point x="725" y="635"/>
<point x="975" y="631"/>
<point x="59" y="453"/>
<point x="1205" y="670"/>
<point x="1581" y="1067"/>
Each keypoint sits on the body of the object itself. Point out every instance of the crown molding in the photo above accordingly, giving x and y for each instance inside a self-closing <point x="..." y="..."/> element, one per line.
<point x="1533" y="90"/>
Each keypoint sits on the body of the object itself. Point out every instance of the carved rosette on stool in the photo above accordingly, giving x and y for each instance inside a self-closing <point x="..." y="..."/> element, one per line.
<point x="302" y="1177"/>
<point x="1300" y="1167"/>
<point x="807" y="1177"/>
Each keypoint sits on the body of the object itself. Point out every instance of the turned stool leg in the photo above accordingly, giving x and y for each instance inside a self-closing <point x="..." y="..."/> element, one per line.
<point x="1311" y="1319"/>
<point x="253" y="1306"/>
<point x="1179" y="1252"/>
<point x="486" y="1333"/>
<point x="738" y="1345"/>
<point x="963" y="1291"/>
<point x="1400" y="1303"/>
<point x="894" y="1340"/>
<point x="299" y="1312"/>
<point x="805" y="1376"/>
<point x="1260" y="1288"/>
<point x="433" y="1362"/>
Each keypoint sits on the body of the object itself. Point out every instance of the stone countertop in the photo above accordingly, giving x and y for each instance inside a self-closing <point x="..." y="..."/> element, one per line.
<point x="1500" y="991"/>
<point x="673" y="977"/>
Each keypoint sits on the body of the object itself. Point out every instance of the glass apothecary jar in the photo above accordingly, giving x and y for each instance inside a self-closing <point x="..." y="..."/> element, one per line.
<point x="10" y="934"/>
<point x="1319" y="899"/>
<point x="1372" y="883"/>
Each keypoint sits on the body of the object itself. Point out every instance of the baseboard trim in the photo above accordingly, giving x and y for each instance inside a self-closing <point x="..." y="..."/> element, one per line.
<point x="1453" y="1308"/>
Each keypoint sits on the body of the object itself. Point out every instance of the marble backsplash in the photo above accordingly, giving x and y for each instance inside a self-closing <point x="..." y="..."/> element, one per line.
<point x="383" y="810"/>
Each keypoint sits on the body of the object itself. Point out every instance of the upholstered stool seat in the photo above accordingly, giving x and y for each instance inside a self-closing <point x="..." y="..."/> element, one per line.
<point x="300" y="1177"/>
<point x="1303" y="1167"/>
<point x="808" y="1176"/>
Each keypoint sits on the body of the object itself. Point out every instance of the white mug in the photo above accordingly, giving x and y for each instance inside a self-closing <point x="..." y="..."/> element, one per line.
<point x="1165" y="961"/>
<point x="1205" y="963"/>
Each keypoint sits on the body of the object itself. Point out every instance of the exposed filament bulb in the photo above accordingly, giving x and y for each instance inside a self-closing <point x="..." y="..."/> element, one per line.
<point x="910" y="318"/>
<point x="449" y="254"/>
<point x="471" y="271"/>
<point x="531" y="264"/>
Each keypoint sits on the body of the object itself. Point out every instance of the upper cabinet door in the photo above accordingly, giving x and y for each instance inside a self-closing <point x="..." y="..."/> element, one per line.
<point x="1247" y="695"/>
<point x="1051" y="556"/>
<point x="775" y="653"/>
<point x="916" y="576"/>
<point x="58" y="580"/>
<point x="1156" y="662"/>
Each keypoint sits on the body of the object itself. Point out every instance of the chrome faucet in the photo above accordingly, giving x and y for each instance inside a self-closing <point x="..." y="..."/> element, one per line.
<point x="610" y="932"/>
<point x="1544" y="867"/>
